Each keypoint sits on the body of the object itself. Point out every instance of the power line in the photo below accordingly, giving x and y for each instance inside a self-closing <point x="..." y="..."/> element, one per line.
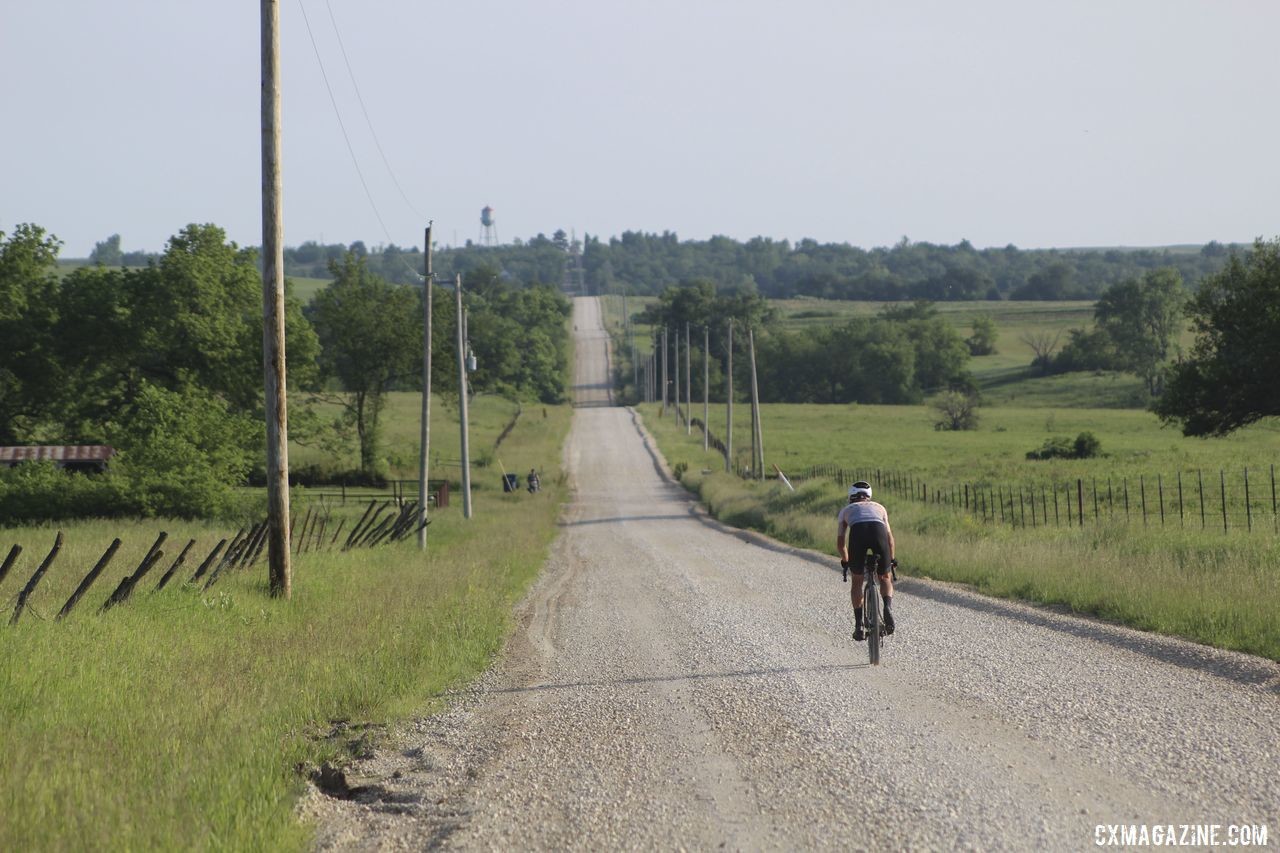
<point x="350" y="150"/>
<point x="364" y="110"/>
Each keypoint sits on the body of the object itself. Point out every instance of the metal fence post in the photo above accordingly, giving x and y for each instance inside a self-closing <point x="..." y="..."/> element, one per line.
<point x="1222" y="482"/>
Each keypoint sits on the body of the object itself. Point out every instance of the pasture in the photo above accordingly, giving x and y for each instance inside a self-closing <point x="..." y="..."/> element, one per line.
<point x="186" y="719"/>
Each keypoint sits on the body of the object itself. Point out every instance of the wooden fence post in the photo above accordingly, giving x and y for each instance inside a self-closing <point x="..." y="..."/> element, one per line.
<point x="9" y="561"/>
<point x="208" y="561"/>
<point x="182" y="558"/>
<point x="88" y="579"/>
<point x="1080" y="500"/>
<point x="129" y="582"/>
<point x="35" y="579"/>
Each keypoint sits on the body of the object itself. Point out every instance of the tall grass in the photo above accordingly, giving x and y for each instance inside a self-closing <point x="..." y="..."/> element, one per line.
<point x="1214" y="588"/>
<point x="179" y="720"/>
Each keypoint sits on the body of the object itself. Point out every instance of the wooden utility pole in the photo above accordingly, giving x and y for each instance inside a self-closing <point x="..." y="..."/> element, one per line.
<point x="462" y="399"/>
<point x="677" y="376"/>
<point x="664" y="371"/>
<point x="279" y="571"/>
<point x="644" y="395"/>
<point x="728" y="398"/>
<point x="426" y="395"/>
<point x="631" y="342"/>
<point x="706" y="385"/>
<point x="751" y="354"/>
<point x="688" y="383"/>
<point x="757" y="432"/>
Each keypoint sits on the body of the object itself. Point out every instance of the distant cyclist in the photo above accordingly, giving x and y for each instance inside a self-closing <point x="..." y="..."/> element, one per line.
<point x="867" y="524"/>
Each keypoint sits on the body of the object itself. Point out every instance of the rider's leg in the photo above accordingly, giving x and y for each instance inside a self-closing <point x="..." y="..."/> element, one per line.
<point x="857" y="596"/>
<point x="886" y="594"/>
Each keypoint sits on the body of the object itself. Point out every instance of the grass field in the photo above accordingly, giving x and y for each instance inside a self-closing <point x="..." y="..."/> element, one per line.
<point x="901" y="438"/>
<point x="1206" y="585"/>
<point x="306" y="288"/>
<point x="401" y="423"/>
<point x="178" y="720"/>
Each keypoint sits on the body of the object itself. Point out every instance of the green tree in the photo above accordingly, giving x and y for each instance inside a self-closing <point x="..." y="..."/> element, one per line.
<point x="1143" y="317"/>
<point x="370" y="340"/>
<point x="28" y="368"/>
<point x="1229" y="379"/>
<point x="941" y="355"/>
<point x="956" y="411"/>
<point x="1053" y="282"/>
<point x="1086" y="349"/>
<point x="193" y="319"/>
<point x="182" y="452"/>
<point x="107" y="253"/>
<point x="982" y="340"/>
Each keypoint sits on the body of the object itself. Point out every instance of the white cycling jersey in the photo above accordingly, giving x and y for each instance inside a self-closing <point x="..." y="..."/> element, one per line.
<point x="861" y="511"/>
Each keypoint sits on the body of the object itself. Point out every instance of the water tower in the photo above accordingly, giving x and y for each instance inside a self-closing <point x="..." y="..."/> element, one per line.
<point x="488" y="227"/>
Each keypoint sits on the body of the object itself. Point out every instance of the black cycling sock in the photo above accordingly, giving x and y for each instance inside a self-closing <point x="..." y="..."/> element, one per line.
<point x="857" y="615"/>
<point x="888" y="600"/>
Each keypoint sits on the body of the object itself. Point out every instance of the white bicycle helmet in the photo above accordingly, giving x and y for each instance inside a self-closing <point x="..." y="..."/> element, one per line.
<point x="860" y="488"/>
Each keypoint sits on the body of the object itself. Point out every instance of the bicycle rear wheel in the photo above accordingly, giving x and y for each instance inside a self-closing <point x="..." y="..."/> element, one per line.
<point x="871" y="609"/>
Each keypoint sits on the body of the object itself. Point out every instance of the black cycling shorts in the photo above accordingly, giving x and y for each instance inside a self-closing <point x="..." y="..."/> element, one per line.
<point x="868" y="536"/>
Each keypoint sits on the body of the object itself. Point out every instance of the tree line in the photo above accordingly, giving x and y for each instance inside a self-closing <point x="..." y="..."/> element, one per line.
<point x="642" y="263"/>
<point x="164" y="363"/>
<point x="646" y="264"/>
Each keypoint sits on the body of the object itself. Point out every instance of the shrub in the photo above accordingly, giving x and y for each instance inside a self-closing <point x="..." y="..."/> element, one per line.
<point x="957" y="411"/>
<point x="40" y="491"/>
<point x="182" y="454"/>
<point x="1085" y="446"/>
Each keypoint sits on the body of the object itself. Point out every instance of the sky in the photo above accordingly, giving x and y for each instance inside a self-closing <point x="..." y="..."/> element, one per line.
<point x="1036" y="123"/>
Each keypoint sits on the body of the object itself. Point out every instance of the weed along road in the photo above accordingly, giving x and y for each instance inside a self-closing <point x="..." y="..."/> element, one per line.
<point x="672" y="683"/>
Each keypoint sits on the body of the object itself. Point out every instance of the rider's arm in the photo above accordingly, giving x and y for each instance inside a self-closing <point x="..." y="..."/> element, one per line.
<point x="840" y="549"/>
<point x="892" y="546"/>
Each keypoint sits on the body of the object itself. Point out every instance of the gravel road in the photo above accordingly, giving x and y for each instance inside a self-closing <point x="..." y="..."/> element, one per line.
<point x="673" y="683"/>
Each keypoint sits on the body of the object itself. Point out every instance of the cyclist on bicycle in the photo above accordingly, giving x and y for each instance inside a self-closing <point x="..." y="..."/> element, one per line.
<point x="867" y="524"/>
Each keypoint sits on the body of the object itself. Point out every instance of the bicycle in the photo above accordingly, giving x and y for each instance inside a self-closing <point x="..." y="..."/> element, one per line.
<point x="872" y="609"/>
